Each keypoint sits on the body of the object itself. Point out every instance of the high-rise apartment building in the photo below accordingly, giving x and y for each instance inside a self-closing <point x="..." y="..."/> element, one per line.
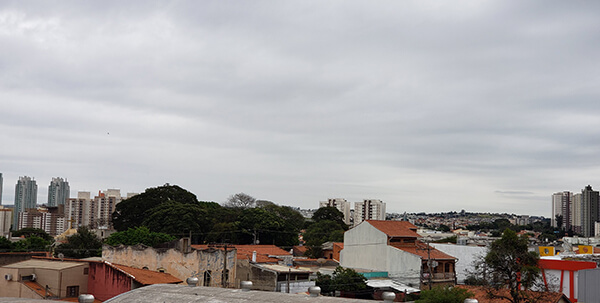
<point x="106" y="203"/>
<point x="342" y="205"/>
<point x="96" y="212"/>
<point x="576" y="213"/>
<point x="25" y="198"/>
<point x="589" y="209"/>
<point x="80" y="211"/>
<point x="5" y="221"/>
<point x="58" y="192"/>
<point x="49" y="219"/>
<point x="561" y="206"/>
<point x="369" y="209"/>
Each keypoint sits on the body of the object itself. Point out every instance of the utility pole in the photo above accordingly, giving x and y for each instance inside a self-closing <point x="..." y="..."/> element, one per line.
<point x="225" y="273"/>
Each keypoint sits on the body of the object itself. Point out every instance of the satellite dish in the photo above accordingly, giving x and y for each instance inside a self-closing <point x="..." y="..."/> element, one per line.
<point x="61" y="256"/>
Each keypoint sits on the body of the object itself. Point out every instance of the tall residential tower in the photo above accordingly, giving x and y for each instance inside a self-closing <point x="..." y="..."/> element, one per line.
<point x="58" y="191"/>
<point x="25" y="197"/>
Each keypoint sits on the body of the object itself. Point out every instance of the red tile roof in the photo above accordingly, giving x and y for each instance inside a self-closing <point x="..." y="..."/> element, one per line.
<point x="396" y="228"/>
<point x="420" y="249"/>
<point x="39" y="289"/>
<point x="482" y="295"/>
<point x="146" y="277"/>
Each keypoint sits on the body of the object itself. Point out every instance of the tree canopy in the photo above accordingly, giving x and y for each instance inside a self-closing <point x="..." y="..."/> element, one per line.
<point x="444" y="295"/>
<point x="328" y="225"/>
<point x="138" y="235"/>
<point x="29" y="231"/>
<point x="83" y="244"/>
<point x="161" y="210"/>
<point x="508" y="264"/>
<point x="133" y="211"/>
<point x="342" y="279"/>
<point x="241" y="200"/>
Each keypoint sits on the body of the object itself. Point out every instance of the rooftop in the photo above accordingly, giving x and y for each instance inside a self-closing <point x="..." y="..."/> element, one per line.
<point x="146" y="277"/>
<point x="395" y="228"/>
<point x="421" y="250"/>
<point x="160" y="293"/>
<point x="40" y="263"/>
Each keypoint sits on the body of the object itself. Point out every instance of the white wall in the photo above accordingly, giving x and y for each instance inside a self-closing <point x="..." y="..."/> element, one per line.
<point x="365" y="247"/>
<point x="465" y="255"/>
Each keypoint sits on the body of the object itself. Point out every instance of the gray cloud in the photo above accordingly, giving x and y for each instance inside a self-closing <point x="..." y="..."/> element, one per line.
<point x="429" y="107"/>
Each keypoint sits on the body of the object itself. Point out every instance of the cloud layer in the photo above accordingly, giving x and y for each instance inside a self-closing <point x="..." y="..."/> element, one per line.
<point x="486" y="106"/>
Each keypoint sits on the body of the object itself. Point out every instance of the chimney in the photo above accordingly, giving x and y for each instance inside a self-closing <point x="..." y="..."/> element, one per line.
<point x="254" y="256"/>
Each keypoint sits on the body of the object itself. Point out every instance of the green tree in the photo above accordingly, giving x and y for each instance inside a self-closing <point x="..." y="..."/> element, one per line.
<point x="320" y="232"/>
<point x="138" y="235"/>
<point x="508" y="264"/>
<point x="5" y="245"/>
<point x="342" y="279"/>
<point x="133" y="211"/>
<point x="27" y="232"/>
<point x="241" y="200"/>
<point x="83" y="244"/>
<point x="32" y="243"/>
<point x="444" y="295"/>
<point x="180" y="219"/>
<point x="330" y="214"/>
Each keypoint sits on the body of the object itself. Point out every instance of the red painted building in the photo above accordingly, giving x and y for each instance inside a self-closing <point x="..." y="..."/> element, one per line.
<point x="107" y="280"/>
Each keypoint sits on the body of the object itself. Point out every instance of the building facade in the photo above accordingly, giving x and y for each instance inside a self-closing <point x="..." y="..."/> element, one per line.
<point x="50" y="219"/>
<point x="25" y="198"/>
<point x="58" y="191"/>
<point x="342" y="205"/>
<point x="369" y="209"/>
<point x="394" y="247"/>
<point x="589" y="209"/>
<point x="561" y="206"/>
<point x="5" y="221"/>
<point x="576" y="213"/>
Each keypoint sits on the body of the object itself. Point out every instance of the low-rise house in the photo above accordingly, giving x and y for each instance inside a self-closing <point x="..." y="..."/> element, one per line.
<point x="107" y="280"/>
<point x="395" y="247"/>
<point x="268" y="267"/>
<point x="40" y="279"/>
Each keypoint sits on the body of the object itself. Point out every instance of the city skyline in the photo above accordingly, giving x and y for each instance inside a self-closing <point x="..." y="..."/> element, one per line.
<point x="485" y="106"/>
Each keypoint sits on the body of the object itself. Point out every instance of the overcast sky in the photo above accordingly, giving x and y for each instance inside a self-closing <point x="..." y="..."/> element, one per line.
<point x="427" y="105"/>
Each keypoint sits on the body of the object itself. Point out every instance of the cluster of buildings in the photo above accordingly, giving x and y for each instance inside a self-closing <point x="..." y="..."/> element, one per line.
<point x="578" y="212"/>
<point x="60" y="212"/>
<point x="368" y="209"/>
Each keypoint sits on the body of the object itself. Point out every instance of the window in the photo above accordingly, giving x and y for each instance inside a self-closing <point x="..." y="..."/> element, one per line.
<point x="207" y="278"/>
<point x="86" y="270"/>
<point x="73" y="291"/>
<point x="160" y="269"/>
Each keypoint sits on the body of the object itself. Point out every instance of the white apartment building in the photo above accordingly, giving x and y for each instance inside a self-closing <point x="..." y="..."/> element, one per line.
<point x="96" y="212"/>
<point x="342" y="205"/>
<point x="369" y="209"/>
<point x="51" y="220"/>
<point x="5" y="221"/>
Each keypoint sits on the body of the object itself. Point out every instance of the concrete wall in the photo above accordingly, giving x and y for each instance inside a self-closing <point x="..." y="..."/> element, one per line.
<point x="466" y="255"/>
<point x="73" y="276"/>
<point x="261" y="279"/>
<point x="365" y="247"/>
<point x="403" y="267"/>
<point x="174" y="262"/>
<point x="106" y="282"/>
